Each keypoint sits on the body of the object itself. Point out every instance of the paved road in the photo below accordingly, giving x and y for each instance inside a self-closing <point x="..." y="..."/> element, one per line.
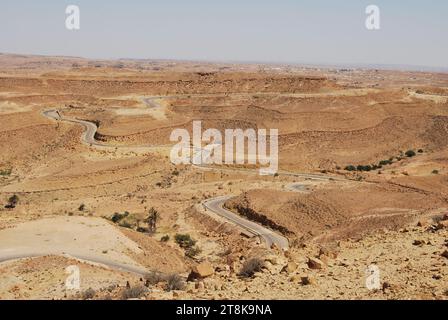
<point x="93" y="260"/>
<point x="215" y="205"/>
<point x="88" y="136"/>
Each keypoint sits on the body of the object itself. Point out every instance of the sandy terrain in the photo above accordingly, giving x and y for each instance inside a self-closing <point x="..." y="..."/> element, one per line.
<point x="85" y="150"/>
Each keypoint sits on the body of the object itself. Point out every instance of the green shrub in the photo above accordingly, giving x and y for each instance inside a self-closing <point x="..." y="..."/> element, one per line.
<point x="12" y="202"/>
<point x="184" y="241"/>
<point x="350" y="168"/>
<point x="119" y="216"/>
<point x="165" y="238"/>
<point x="5" y="172"/>
<point x="385" y="162"/>
<point x="410" y="153"/>
<point x="435" y="171"/>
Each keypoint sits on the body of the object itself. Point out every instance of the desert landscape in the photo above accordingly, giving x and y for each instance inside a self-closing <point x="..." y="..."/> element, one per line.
<point x="86" y="181"/>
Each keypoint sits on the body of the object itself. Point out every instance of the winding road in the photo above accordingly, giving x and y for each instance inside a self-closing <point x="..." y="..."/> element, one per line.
<point x="214" y="205"/>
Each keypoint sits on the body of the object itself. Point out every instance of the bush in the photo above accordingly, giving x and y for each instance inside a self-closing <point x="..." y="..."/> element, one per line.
<point x="165" y="238"/>
<point x="174" y="282"/>
<point x="435" y="171"/>
<point x="410" y="153"/>
<point x="385" y="162"/>
<point x="134" y="292"/>
<point x="420" y="151"/>
<point x="119" y="216"/>
<point x="250" y="267"/>
<point x="125" y="224"/>
<point x="82" y="207"/>
<point x="364" y="168"/>
<point x="88" y="294"/>
<point x="184" y="241"/>
<point x="192" y="252"/>
<point x="12" y="202"/>
<point x="154" y="277"/>
<point x="5" y="172"/>
<point x="350" y="168"/>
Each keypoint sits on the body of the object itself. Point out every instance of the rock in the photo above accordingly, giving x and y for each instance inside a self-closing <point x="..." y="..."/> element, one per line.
<point x="423" y="223"/>
<point x="307" y="280"/>
<point x="276" y="260"/>
<point x="199" y="286"/>
<point x="445" y="254"/>
<point x="314" y="263"/>
<point x="323" y="251"/>
<point x="294" y="278"/>
<point x="442" y="225"/>
<point x="272" y="268"/>
<point x="202" y="270"/>
<point x="290" y="267"/>
<point x="418" y="242"/>
<point x="324" y="259"/>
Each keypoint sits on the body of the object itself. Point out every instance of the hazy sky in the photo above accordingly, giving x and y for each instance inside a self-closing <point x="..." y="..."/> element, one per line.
<point x="413" y="32"/>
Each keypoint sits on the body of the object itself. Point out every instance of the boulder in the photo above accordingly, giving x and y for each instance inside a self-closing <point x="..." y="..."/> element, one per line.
<point x="314" y="263"/>
<point x="202" y="270"/>
<point x="290" y="267"/>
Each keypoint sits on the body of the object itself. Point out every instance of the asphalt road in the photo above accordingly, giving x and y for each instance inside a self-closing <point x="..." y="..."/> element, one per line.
<point x="215" y="205"/>
<point x="92" y="260"/>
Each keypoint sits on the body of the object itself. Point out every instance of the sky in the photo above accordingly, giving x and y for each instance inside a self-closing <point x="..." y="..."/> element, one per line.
<point x="413" y="32"/>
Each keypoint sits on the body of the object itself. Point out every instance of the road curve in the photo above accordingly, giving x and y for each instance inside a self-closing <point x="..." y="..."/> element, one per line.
<point x="215" y="205"/>
<point x="90" y="129"/>
<point x="92" y="260"/>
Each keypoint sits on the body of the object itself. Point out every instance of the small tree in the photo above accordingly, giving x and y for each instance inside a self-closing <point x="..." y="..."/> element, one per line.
<point x="151" y="220"/>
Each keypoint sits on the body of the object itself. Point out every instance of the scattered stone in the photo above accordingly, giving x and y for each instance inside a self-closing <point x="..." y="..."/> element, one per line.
<point x="442" y="225"/>
<point x="314" y="263"/>
<point x="423" y="223"/>
<point x="202" y="270"/>
<point x="199" y="286"/>
<point x="294" y="278"/>
<point x="290" y="267"/>
<point x="323" y="251"/>
<point x="307" y="280"/>
<point x="418" y="242"/>
<point x="445" y="254"/>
